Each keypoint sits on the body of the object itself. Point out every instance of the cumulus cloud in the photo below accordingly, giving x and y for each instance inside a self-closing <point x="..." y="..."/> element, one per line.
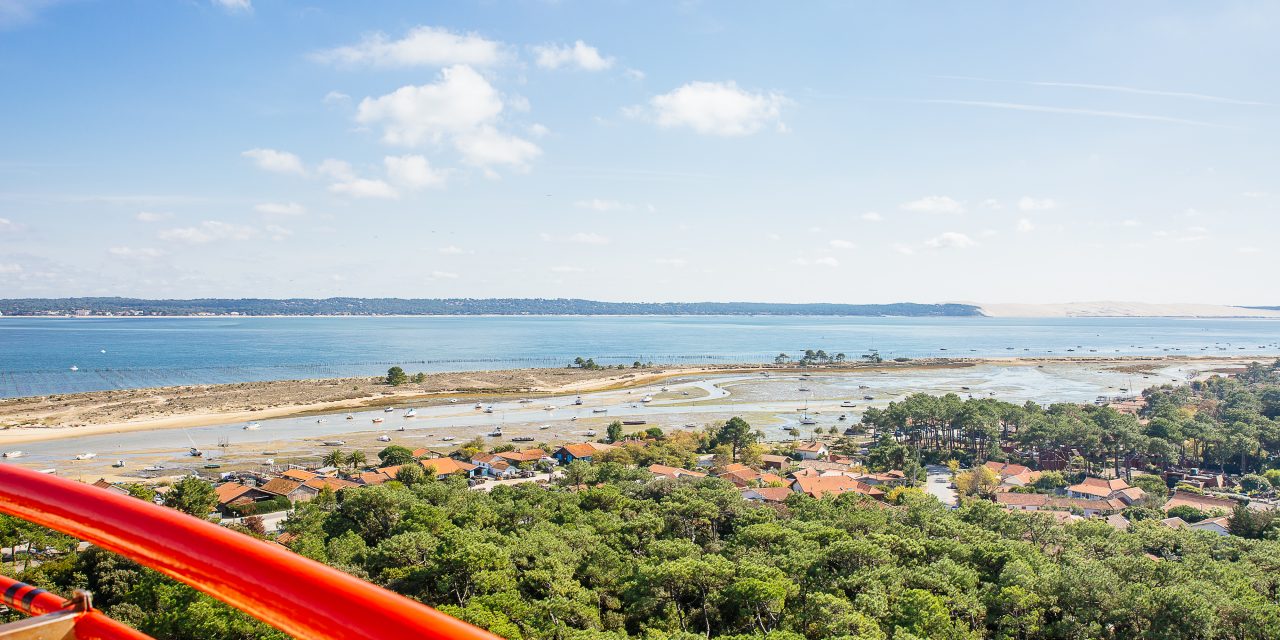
<point x="825" y="261"/>
<point x="1024" y="225"/>
<point x="234" y="6"/>
<point x="934" y="204"/>
<point x="336" y="98"/>
<point x="413" y="172"/>
<point x="597" y="204"/>
<point x="139" y="253"/>
<point x="842" y="244"/>
<point x="461" y="108"/>
<point x="276" y="161"/>
<point x="280" y="208"/>
<point x="579" y="54"/>
<point x="423" y="46"/>
<point x="872" y="216"/>
<point x="208" y="231"/>
<point x="576" y="238"/>
<point x="153" y="216"/>
<point x="950" y="240"/>
<point x="347" y="183"/>
<point x="1027" y="203"/>
<point x="715" y="108"/>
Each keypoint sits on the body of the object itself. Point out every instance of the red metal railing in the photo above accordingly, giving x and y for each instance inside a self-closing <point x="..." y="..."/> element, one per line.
<point x="90" y="624"/>
<point x="299" y="596"/>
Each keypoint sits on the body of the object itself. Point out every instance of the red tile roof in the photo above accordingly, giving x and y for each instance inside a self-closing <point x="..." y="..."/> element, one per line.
<point x="281" y="486"/>
<point x="299" y="474"/>
<point x="820" y="486"/>
<point x="337" y="484"/>
<point x="229" y="491"/>
<point x="447" y="466"/>
<point x="771" y="494"/>
<point x="1198" y="501"/>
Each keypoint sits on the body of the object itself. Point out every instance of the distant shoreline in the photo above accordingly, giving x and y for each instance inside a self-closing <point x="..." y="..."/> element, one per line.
<point x="58" y="416"/>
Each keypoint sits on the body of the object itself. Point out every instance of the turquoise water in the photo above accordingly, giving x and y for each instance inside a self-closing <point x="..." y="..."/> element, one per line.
<point x="36" y="354"/>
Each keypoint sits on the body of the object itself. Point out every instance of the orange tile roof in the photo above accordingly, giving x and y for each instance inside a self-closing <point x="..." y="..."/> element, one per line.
<point x="337" y="484"/>
<point x="673" y="472"/>
<point x="299" y="474"/>
<point x="1198" y="501"/>
<point x="447" y="466"/>
<point x="526" y="455"/>
<point x="1006" y="469"/>
<point x="374" y="477"/>
<point x="421" y="452"/>
<point x="102" y="484"/>
<point x="229" y="491"/>
<point x="810" y="447"/>
<point x="771" y="494"/>
<point x="822" y="485"/>
<point x="281" y="486"/>
<point x="585" y="449"/>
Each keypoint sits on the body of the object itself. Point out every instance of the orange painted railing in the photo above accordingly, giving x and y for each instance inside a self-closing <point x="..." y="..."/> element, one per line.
<point x="89" y="624"/>
<point x="296" y="595"/>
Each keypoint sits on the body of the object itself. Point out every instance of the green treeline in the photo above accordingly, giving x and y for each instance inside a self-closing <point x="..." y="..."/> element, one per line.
<point x="460" y="306"/>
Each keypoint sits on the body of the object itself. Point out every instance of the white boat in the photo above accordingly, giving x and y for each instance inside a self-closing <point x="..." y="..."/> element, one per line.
<point x="578" y="400"/>
<point x="573" y="419"/>
<point x="646" y="399"/>
<point x="253" y="426"/>
<point x="599" y="411"/>
<point x="590" y="434"/>
<point x="447" y="438"/>
<point x="269" y="461"/>
<point x="548" y="408"/>
<point x="805" y="419"/>
<point x="75" y="368"/>
<point x="488" y="410"/>
<point x="453" y="401"/>
<point x="194" y="452"/>
<point x="544" y="427"/>
<point x="50" y="471"/>
<point x="118" y="463"/>
<point x="803" y="389"/>
<point x="496" y="433"/>
<point x="14" y="454"/>
<point x="664" y="389"/>
<point x="154" y="468"/>
<point x="377" y="420"/>
<point x="389" y="410"/>
<point x="526" y="401"/>
<point x="334" y="443"/>
<point x="384" y="438"/>
<point x="410" y="413"/>
<point x="479" y="406"/>
<point x="86" y="456"/>
<point x="351" y="416"/>
<point x="848" y="404"/>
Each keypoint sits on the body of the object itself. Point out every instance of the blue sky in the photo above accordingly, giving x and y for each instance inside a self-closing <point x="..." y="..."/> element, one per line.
<point x="824" y="151"/>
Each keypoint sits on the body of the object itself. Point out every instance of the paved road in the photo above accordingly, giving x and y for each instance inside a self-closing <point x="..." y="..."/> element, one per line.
<point x="939" y="480"/>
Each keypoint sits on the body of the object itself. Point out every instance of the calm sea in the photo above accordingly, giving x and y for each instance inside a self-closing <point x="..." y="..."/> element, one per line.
<point x="36" y="354"/>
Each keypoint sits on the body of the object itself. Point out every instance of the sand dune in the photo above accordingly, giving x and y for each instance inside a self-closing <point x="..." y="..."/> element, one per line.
<point x="1123" y="310"/>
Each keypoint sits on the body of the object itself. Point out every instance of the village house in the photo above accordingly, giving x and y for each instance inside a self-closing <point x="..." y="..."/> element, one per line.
<point x="823" y="485"/>
<point x="1208" y="504"/>
<point x="579" y="451"/>
<point x="494" y="465"/>
<point x="334" y="484"/>
<point x="748" y="477"/>
<point x="777" y="463"/>
<point x="103" y="484"/>
<point x="301" y="475"/>
<point x="1220" y="525"/>
<point x="1041" y="502"/>
<point x="294" y="490"/>
<point x="891" y="478"/>
<point x="442" y="467"/>
<point x="235" y="494"/>
<point x="811" y="450"/>
<point x="766" y="494"/>
<point x="1012" y="475"/>
<point x="1102" y="489"/>
<point x="663" y="471"/>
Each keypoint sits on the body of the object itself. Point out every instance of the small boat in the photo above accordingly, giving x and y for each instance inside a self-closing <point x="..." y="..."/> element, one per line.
<point x="194" y="452"/>
<point x="548" y="408"/>
<point x="50" y="471"/>
<point x="590" y="434"/>
<point x="544" y="427"/>
<point x="14" y="454"/>
<point x="964" y="388"/>
<point x="86" y="456"/>
<point x="488" y="409"/>
<point x="118" y="463"/>
<point x="526" y="401"/>
<point x="868" y="397"/>
<point x="842" y="417"/>
<point x="522" y="439"/>
<point x="377" y="420"/>
<point x="863" y="386"/>
<point x="447" y="438"/>
<point x="803" y="389"/>
<point x="351" y="416"/>
<point x="321" y="421"/>
<point x="75" y="368"/>
<point x="578" y="400"/>
<point x="269" y="461"/>
<point x="384" y="438"/>
<point x="453" y="401"/>
<point x="496" y="433"/>
<point x="400" y="429"/>
<point x="646" y="399"/>
<point x="334" y="443"/>
<point x="479" y="406"/>
<point x="213" y="465"/>
<point x="632" y="423"/>
<point x="270" y="453"/>
<point x="664" y="389"/>
<point x="848" y="404"/>
<point x="410" y="413"/>
<point x="252" y="426"/>
<point x="807" y="420"/>
<point x="573" y="419"/>
<point x="154" y="468"/>
<point x="599" y="411"/>
<point x="389" y="410"/>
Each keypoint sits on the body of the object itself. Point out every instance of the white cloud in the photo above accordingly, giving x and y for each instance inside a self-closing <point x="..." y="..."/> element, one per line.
<point x="452" y="250"/>
<point x="336" y="97"/>
<point x="413" y="172"/>
<point x="1248" y="250"/>
<point x="488" y="146"/>
<point x="234" y="6"/>
<point x="825" y="261"/>
<point x="153" y="216"/>
<point x="950" y="240"/>
<point x="278" y="232"/>
<point x="442" y="275"/>
<point x="1027" y="203"/>
<point x="276" y="161"/>
<point x="597" y="204"/>
<point x="10" y="267"/>
<point x="1024" y="225"/>
<point x="461" y="108"/>
<point x="716" y="108"/>
<point x="567" y="269"/>
<point x="1130" y="223"/>
<point x="903" y="249"/>
<point x="872" y="216"/>
<point x="671" y="262"/>
<point x="422" y="46"/>
<point x="364" y="188"/>
<point x="140" y="253"/>
<point x="842" y="244"/>
<point x="208" y="231"/>
<point x="538" y="130"/>
<point x="934" y="204"/>
<point x="634" y="74"/>
<point x="280" y="208"/>
<point x="579" y="54"/>
<point x="992" y="204"/>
